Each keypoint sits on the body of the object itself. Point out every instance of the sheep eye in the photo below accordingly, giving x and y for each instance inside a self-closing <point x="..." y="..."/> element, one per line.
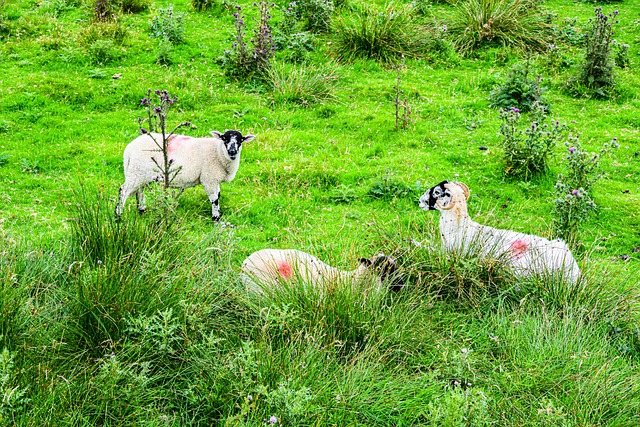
<point x="436" y="192"/>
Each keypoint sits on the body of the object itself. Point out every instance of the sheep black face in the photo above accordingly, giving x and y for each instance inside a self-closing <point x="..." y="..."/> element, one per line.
<point x="439" y="193"/>
<point x="233" y="140"/>
<point x="386" y="267"/>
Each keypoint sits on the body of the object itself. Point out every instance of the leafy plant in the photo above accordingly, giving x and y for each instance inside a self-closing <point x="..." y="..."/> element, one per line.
<point x="388" y="188"/>
<point x="526" y="152"/>
<point x="520" y="89"/>
<point x="574" y="201"/>
<point x="13" y="398"/>
<point x="4" y="159"/>
<point x="29" y="166"/>
<point x="516" y="23"/>
<point x="620" y="52"/>
<point x="314" y="15"/>
<point x="385" y="36"/>
<point x="597" y="68"/>
<point x="168" y="25"/>
<point x="164" y="52"/>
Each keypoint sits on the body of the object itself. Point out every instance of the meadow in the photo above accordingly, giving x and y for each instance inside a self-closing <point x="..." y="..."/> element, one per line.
<point x="358" y="109"/>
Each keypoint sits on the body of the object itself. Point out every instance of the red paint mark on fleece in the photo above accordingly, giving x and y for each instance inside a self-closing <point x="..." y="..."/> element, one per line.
<point x="284" y="269"/>
<point x="176" y="141"/>
<point x="518" y="248"/>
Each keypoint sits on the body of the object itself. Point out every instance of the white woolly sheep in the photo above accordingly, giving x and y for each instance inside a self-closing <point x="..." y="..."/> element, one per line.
<point x="268" y="267"/>
<point x="207" y="161"/>
<point x="527" y="254"/>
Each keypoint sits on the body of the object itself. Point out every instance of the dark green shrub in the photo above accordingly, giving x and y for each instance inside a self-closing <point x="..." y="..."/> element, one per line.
<point x="526" y="152"/>
<point x="520" y="89"/>
<point x="385" y="36"/>
<point x="515" y="23"/>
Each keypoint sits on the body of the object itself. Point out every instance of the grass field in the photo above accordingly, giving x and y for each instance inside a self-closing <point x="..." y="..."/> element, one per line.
<point x="138" y="323"/>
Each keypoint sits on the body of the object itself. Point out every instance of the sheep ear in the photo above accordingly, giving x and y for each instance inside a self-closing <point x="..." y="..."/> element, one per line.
<point x="216" y="133"/>
<point x="248" y="138"/>
<point x="365" y="261"/>
<point x="465" y="189"/>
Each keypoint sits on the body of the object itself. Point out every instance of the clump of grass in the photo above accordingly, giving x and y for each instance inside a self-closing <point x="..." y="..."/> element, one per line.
<point x="385" y="36"/>
<point x="514" y="23"/>
<point x="121" y="268"/>
<point x="301" y="84"/>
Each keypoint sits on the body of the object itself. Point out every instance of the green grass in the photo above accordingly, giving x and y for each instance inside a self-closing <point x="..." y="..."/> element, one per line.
<point x="127" y="323"/>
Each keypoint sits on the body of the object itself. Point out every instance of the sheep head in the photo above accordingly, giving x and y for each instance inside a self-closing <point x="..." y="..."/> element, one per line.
<point x="443" y="197"/>
<point x="233" y="140"/>
<point x="386" y="268"/>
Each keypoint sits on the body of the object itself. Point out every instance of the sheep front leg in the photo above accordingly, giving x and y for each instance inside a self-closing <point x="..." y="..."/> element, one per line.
<point x="213" y="191"/>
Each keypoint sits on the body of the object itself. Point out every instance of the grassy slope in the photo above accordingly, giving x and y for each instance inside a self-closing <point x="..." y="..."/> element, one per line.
<point x="74" y="127"/>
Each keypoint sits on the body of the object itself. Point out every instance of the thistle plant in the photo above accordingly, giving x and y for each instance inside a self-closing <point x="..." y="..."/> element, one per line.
<point x="574" y="201"/>
<point x="157" y="122"/>
<point x="527" y="151"/>
<point x="597" y="69"/>
<point x="262" y="41"/>
<point x="242" y="63"/>
<point x="403" y="108"/>
<point x="104" y="10"/>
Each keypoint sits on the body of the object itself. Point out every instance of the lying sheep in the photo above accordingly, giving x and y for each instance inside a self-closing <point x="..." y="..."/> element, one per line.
<point x="268" y="267"/>
<point x="206" y="161"/>
<point x="527" y="254"/>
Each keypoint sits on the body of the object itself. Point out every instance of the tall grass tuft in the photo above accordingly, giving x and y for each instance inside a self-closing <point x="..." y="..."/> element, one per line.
<point x="301" y="84"/>
<point x="385" y="36"/>
<point x="119" y="268"/>
<point x="516" y="23"/>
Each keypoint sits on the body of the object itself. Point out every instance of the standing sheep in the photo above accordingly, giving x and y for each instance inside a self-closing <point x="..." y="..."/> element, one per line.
<point x="527" y="254"/>
<point x="268" y="267"/>
<point x="207" y="161"/>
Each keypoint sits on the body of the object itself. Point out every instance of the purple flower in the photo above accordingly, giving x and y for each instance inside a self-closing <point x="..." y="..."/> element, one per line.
<point x="574" y="192"/>
<point x="572" y="149"/>
<point x="144" y="101"/>
<point x="444" y="28"/>
<point x="249" y="397"/>
<point x="187" y="123"/>
<point x="273" y="419"/>
<point x="157" y="92"/>
<point x="157" y="110"/>
<point x="171" y="161"/>
<point x="143" y="131"/>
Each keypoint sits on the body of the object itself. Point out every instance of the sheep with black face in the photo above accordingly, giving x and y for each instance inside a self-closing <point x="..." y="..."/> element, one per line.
<point x="207" y="161"/>
<point x="527" y="254"/>
<point x="269" y="267"/>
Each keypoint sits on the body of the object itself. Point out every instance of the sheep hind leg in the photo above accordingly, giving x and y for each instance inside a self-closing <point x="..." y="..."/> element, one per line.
<point x="142" y="205"/>
<point x="126" y="190"/>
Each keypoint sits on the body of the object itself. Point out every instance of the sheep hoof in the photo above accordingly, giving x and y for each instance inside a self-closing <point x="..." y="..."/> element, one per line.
<point x="142" y="210"/>
<point x="216" y="218"/>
